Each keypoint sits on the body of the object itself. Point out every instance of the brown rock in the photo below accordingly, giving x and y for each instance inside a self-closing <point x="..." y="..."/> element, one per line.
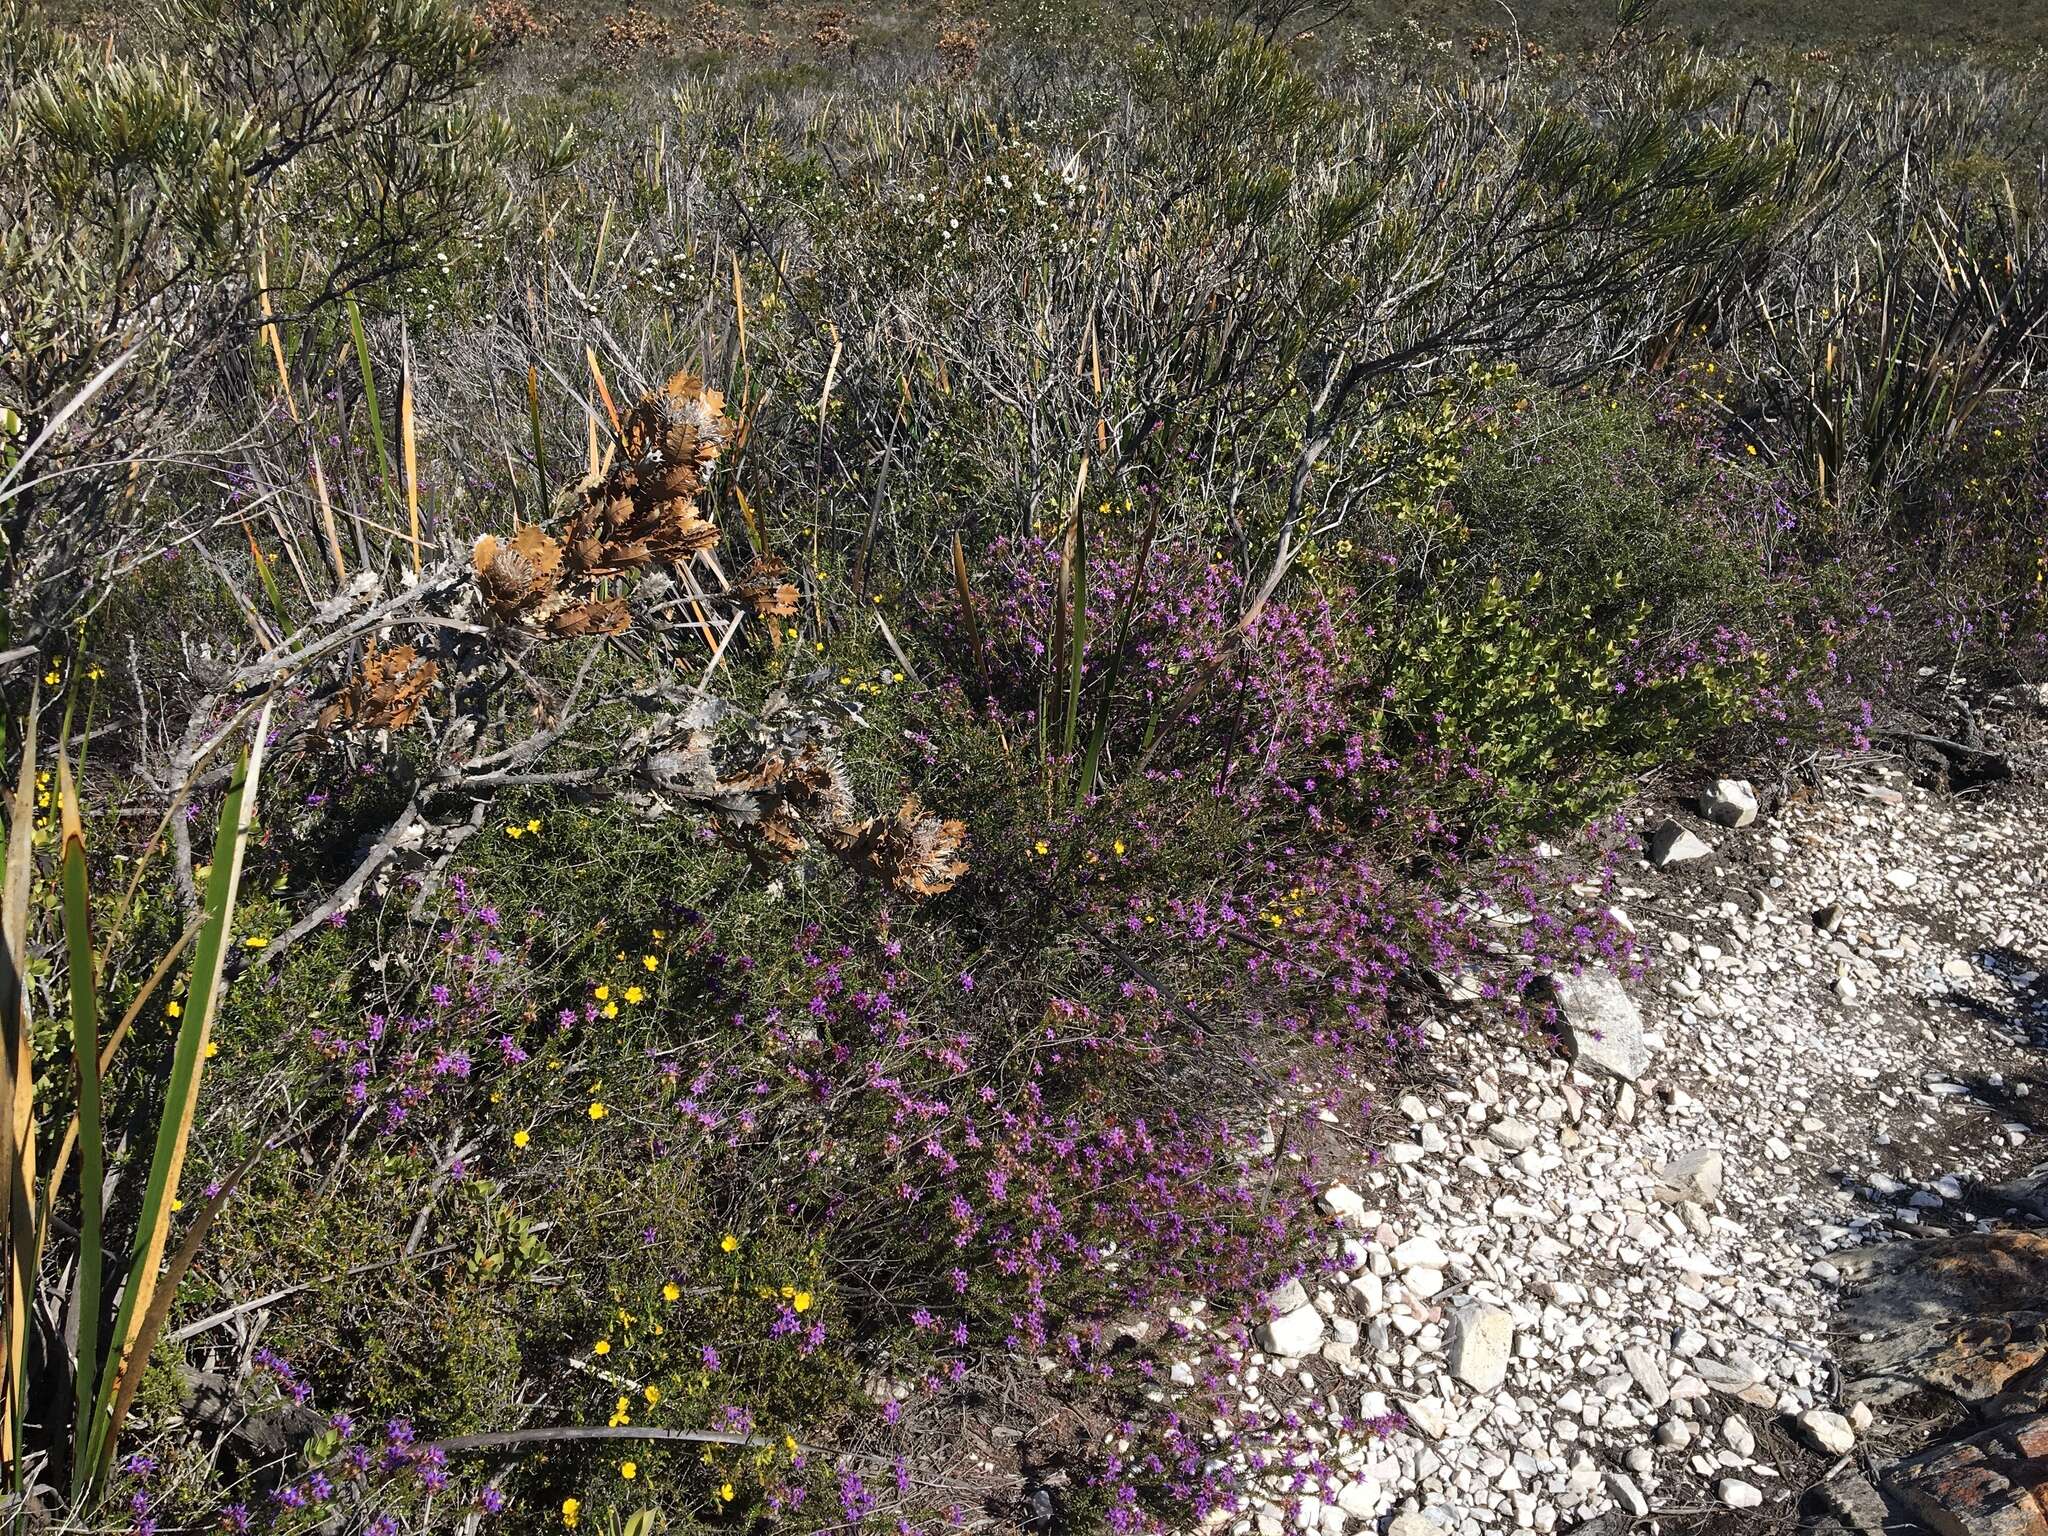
<point x="1994" y="1483"/>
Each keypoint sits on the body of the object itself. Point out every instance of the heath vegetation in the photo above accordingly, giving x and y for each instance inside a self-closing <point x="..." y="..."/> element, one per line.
<point x="732" y="739"/>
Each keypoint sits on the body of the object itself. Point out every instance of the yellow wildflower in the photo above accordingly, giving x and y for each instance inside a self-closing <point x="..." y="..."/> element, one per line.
<point x="634" y="994"/>
<point x="801" y="1301"/>
<point x="671" y="1292"/>
<point x="521" y="1138"/>
<point x="725" y="1492"/>
<point x="601" y="1347"/>
<point x="597" y="1111"/>
<point x="650" y="962"/>
<point x="652" y="1394"/>
<point x="603" y="991"/>
<point x="728" y="1242"/>
<point x="569" y="1511"/>
<point x="212" y="1049"/>
<point x="628" y="1471"/>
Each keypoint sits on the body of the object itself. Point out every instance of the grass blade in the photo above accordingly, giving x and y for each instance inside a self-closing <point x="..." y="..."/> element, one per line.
<point x="540" y="453"/>
<point x="17" y="1102"/>
<point x="85" y="1060"/>
<point x="1077" y="637"/>
<point x="327" y="524"/>
<point x="1114" y="668"/>
<point x="160" y="1304"/>
<point x="272" y="335"/>
<point x="181" y="1098"/>
<point x="61" y="1163"/>
<point x="362" y="343"/>
<point x="408" y="442"/>
<point x="967" y="608"/>
<point x="55" y="424"/>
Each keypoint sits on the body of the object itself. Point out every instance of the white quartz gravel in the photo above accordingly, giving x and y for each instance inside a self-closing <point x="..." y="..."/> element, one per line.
<point x="1583" y="1293"/>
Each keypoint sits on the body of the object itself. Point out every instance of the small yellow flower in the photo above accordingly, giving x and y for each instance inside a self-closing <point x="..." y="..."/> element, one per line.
<point x="1041" y="847"/>
<point x="521" y="1138"/>
<point x="533" y="825"/>
<point x="177" y="1204"/>
<point x="634" y="994"/>
<point x="725" y="1492"/>
<point x="212" y="1049"/>
<point x="671" y="1292"/>
<point x="611" y="1010"/>
<point x="603" y="992"/>
<point x="53" y="677"/>
<point x="652" y="1394"/>
<point x="570" y="1507"/>
<point x="256" y="941"/>
<point x="175" y="1009"/>
<point x="728" y="1242"/>
<point x="650" y="962"/>
<point x="601" y="1347"/>
<point x="801" y="1301"/>
<point x="628" y="1470"/>
<point x="1118" y="845"/>
<point x="597" y="1111"/>
<point x="515" y="833"/>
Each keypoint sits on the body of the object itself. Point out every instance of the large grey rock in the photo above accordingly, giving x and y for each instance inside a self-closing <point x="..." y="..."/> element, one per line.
<point x="1729" y="803"/>
<point x="1627" y="1494"/>
<point x="1482" y="1338"/>
<point x="1420" y="1252"/>
<point x="1827" y="1432"/>
<point x="1671" y="843"/>
<point x="1293" y="1335"/>
<point x="1738" y="1377"/>
<point x="1642" y="1365"/>
<point x="1694" y="1176"/>
<point x="1737" y="1494"/>
<point x="1345" y="1203"/>
<point x="1600" y="1023"/>
<point x="1965" y="1318"/>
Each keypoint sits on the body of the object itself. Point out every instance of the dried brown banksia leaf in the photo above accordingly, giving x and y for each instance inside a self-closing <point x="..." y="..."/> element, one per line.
<point x="763" y="588"/>
<point x="645" y="511"/>
<point x="596" y="616"/>
<point x="386" y="694"/>
<point x="913" y="852"/>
